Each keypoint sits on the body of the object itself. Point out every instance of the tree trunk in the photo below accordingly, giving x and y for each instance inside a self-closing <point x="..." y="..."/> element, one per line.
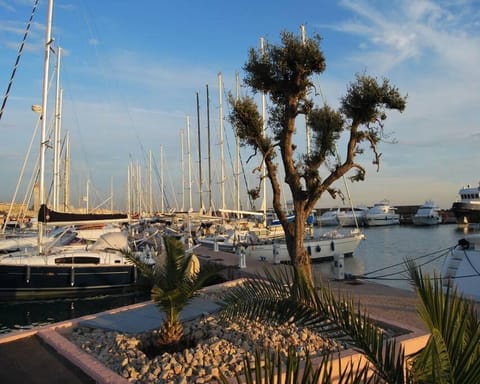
<point x="294" y="237"/>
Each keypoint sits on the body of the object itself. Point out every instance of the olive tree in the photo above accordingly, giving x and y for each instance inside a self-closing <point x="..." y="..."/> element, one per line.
<point x="285" y="73"/>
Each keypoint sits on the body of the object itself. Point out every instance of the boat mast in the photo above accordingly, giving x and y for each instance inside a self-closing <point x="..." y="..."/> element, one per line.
<point x="162" y="185"/>
<point x="264" y="170"/>
<point x="56" y="146"/>
<point x="210" y="205"/>
<point x="237" y="143"/>
<point x="66" y="178"/>
<point x="201" y="208"/>
<point x="182" y="166"/>
<point x="222" y="156"/>
<point x="111" y="194"/>
<point x="190" y="201"/>
<point x="150" y="190"/>
<point x="129" y="188"/>
<point x="43" y="119"/>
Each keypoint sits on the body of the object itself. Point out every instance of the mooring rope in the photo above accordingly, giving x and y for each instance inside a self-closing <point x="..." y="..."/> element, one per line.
<point x="18" y="59"/>
<point x="433" y="256"/>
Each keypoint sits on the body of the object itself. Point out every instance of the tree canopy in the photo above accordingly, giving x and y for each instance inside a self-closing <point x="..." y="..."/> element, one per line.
<point x="284" y="73"/>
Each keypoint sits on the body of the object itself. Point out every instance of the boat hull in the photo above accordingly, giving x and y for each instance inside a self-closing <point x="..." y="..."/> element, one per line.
<point x="426" y="220"/>
<point x="377" y="221"/>
<point x="51" y="281"/>
<point x="322" y="249"/>
<point x="461" y="266"/>
<point x="466" y="212"/>
<point x="221" y="246"/>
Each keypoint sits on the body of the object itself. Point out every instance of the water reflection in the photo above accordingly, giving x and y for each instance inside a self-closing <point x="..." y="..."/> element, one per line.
<point x="16" y="315"/>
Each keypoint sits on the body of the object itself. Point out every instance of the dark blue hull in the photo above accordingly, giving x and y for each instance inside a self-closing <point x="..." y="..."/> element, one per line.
<point x="26" y="282"/>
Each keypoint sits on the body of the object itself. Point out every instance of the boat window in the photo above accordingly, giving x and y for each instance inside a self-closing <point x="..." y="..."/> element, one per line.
<point x="77" y="260"/>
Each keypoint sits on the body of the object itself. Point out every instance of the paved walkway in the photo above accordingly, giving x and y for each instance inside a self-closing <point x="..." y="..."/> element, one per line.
<point x="44" y="356"/>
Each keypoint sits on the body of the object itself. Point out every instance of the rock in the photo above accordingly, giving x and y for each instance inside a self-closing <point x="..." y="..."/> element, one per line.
<point x="221" y="349"/>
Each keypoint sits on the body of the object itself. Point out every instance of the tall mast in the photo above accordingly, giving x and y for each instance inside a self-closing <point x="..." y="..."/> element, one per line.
<point x="111" y="194"/>
<point x="138" y="189"/>
<point x="264" y="170"/>
<point x="182" y="166"/>
<point x="190" y="202"/>
<point x="66" y="178"/>
<point x="199" y="157"/>
<point x="150" y="183"/>
<point x="210" y="205"/>
<point x="56" y="146"/>
<point x="87" y="197"/>
<point x="222" y="159"/>
<point x="237" y="144"/>
<point x="43" y="118"/>
<point x="162" y="186"/>
<point x="129" y="189"/>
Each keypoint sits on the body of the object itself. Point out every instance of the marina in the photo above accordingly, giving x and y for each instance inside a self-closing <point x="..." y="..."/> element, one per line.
<point x="378" y="258"/>
<point x="80" y="306"/>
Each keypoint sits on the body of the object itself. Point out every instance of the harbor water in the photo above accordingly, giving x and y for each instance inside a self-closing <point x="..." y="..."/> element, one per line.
<point x="380" y="257"/>
<point x="18" y="315"/>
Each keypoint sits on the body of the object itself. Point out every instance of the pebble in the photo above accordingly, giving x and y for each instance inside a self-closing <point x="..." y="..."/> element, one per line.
<point x="221" y="348"/>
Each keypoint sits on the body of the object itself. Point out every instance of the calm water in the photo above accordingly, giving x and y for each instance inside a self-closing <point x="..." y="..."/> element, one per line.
<point x="383" y="248"/>
<point x="380" y="256"/>
<point x="25" y="315"/>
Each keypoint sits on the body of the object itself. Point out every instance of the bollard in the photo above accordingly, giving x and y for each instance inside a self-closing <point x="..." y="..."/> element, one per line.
<point x="215" y="245"/>
<point x="276" y="253"/>
<point x="242" y="259"/>
<point x="339" y="267"/>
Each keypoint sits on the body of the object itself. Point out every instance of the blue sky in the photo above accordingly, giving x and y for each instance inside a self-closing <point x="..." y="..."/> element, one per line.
<point x="131" y="70"/>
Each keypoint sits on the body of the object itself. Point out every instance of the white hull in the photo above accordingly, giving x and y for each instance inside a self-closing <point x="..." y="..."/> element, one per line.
<point x="381" y="214"/>
<point x="376" y="221"/>
<point x="427" y="214"/>
<point x="328" y="219"/>
<point x="352" y="219"/>
<point x="426" y="220"/>
<point x="460" y="268"/>
<point x="323" y="248"/>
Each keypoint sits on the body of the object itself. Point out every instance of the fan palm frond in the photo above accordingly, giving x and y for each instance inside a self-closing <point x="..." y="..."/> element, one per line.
<point x="280" y="296"/>
<point x="285" y="296"/>
<point x="452" y="353"/>
<point x="271" y="368"/>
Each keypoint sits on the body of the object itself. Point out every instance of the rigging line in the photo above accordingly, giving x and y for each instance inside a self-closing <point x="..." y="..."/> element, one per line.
<point x="243" y="170"/>
<point x="470" y="262"/>
<point x="463" y="276"/>
<point x="398" y="279"/>
<point x="444" y="250"/>
<point x="406" y="270"/>
<point x="20" y="50"/>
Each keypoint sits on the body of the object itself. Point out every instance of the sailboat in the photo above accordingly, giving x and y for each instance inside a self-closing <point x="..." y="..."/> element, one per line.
<point x="45" y="273"/>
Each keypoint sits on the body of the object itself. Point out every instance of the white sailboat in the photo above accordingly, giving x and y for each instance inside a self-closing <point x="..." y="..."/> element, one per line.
<point x="102" y="268"/>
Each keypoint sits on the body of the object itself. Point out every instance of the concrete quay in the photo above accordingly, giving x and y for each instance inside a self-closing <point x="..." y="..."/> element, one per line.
<point x="44" y="355"/>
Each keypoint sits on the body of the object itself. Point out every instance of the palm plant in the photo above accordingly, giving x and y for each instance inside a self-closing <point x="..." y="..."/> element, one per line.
<point x="452" y="353"/>
<point x="175" y="281"/>
<point x="450" y="356"/>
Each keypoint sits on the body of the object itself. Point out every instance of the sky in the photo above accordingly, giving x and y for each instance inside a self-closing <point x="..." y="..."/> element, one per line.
<point x="131" y="72"/>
